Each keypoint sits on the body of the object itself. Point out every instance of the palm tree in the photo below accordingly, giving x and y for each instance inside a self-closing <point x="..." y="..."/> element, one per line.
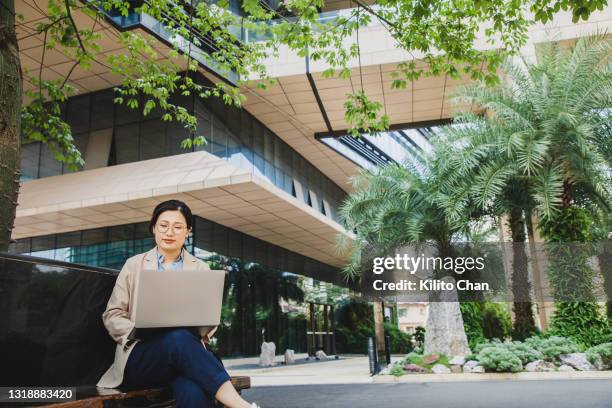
<point x="543" y="141"/>
<point x="395" y="206"/>
<point x="470" y="168"/>
<point x="390" y="207"/>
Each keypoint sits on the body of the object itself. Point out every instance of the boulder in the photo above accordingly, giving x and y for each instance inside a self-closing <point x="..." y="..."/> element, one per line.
<point x="268" y="352"/>
<point x="599" y="363"/>
<point x="415" y="369"/>
<point x="320" y="355"/>
<point x="289" y="356"/>
<point x="445" y="333"/>
<point x="455" y="369"/>
<point x="457" y="360"/>
<point x="565" y="367"/>
<point x="540" y="366"/>
<point x="578" y="361"/>
<point x="440" y="369"/>
<point x="473" y="367"/>
<point x="430" y="359"/>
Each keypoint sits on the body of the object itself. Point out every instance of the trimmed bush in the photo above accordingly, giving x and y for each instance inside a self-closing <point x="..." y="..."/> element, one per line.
<point x="553" y="347"/>
<point x="488" y="343"/>
<point x="471" y="357"/>
<point x="499" y="358"/>
<point x="602" y="353"/>
<point x="524" y="352"/>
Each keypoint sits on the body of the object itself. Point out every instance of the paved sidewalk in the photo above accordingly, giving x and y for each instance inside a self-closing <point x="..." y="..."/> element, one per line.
<point x="346" y="370"/>
<point x="355" y="370"/>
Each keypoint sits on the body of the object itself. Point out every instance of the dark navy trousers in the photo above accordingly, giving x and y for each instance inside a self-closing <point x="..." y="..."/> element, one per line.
<point x="178" y="358"/>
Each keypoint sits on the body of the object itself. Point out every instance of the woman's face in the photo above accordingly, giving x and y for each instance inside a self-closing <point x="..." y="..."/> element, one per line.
<point x="171" y="231"/>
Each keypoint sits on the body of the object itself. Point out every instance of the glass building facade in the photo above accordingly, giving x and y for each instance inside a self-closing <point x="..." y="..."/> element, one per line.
<point x="233" y="134"/>
<point x="271" y="293"/>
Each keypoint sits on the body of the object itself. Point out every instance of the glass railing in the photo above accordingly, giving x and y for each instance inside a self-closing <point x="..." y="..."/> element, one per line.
<point x="201" y="53"/>
<point x="264" y="33"/>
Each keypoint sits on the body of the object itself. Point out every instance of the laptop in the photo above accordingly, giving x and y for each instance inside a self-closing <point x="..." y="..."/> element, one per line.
<point x="177" y="298"/>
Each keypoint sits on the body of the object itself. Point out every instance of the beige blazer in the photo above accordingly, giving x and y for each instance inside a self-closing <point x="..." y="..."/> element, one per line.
<point x="118" y="315"/>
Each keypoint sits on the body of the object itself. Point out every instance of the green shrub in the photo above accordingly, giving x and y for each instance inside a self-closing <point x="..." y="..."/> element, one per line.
<point x="419" y="335"/>
<point x="486" y="343"/>
<point x="524" y="351"/>
<point x="399" y="342"/>
<point x="602" y="352"/>
<point x="397" y="370"/>
<point x="414" y="358"/>
<point x="471" y="357"/>
<point x="499" y="358"/>
<point x="577" y="314"/>
<point x="553" y="347"/>
<point x="484" y="321"/>
<point x="496" y="322"/>
<point x="471" y="312"/>
<point x="582" y="321"/>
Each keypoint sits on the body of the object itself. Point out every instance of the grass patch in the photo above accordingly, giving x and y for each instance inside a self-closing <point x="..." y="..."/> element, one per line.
<point x="413" y="358"/>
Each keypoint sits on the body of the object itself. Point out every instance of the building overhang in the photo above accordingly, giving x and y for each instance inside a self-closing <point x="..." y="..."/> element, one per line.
<point x="213" y="188"/>
<point x="303" y="102"/>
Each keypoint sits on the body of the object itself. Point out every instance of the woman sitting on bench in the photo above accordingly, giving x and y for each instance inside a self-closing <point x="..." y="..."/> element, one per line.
<point x="176" y="357"/>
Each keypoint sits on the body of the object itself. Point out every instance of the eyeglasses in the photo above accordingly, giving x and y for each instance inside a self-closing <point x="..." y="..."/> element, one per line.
<point x="177" y="228"/>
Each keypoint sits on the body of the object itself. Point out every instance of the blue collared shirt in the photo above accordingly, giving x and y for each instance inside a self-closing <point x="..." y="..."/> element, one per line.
<point x="176" y="265"/>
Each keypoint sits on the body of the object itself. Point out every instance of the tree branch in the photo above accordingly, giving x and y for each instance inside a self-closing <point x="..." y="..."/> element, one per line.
<point x="42" y="63"/>
<point x="69" y="73"/>
<point x="375" y="14"/>
<point x="76" y="30"/>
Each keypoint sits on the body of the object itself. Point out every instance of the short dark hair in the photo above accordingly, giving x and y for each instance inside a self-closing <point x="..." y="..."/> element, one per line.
<point x="171" y="205"/>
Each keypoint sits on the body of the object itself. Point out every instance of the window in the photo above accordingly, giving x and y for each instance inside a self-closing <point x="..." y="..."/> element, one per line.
<point x="152" y="140"/>
<point x="102" y="110"/>
<point x="175" y="134"/>
<point x="219" y="139"/>
<point x="30" y="160"/>
<point x="78" y="113"/>
<point x="124" y="114"/>
<point x="49" y="166"/>
<point x="126" y="143"/>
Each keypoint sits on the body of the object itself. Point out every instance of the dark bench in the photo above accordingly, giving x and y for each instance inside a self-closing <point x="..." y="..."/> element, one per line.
<point x="92" y="397"/>
<point x="51" y="332"/>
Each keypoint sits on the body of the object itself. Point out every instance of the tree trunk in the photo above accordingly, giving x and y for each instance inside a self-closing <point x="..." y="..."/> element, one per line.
<point x="524" y="324"/>
<point x="566" y="197"/>
<point x="537" y="262"/>
<point x="10" y="106"/>
<point x="605" y="266"/>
